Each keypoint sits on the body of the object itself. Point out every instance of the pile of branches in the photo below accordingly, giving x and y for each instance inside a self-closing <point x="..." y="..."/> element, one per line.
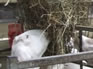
<point x="57" y="17"/>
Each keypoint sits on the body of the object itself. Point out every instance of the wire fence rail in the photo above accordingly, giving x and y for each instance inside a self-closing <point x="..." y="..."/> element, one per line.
<point x="12" y="62"/>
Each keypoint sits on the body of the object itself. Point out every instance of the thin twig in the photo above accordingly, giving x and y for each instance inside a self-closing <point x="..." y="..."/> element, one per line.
<point x="42" y="6"/>
<point x="7" y="3"/>
<point x="45" y="30"/>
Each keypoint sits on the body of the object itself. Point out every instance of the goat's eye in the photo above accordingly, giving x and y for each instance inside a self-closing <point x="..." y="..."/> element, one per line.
<point x="27" y="36"/>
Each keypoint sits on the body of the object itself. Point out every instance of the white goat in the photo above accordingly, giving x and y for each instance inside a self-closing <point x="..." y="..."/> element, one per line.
<point x="29" y="45"/>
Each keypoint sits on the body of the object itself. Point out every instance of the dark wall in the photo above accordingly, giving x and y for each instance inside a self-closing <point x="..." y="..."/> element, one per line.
<point x="8" y="12"/>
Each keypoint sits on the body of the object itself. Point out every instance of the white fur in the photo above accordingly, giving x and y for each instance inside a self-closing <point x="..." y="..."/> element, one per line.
<point x="29" y="45"/>
<point x="87" y="43"/>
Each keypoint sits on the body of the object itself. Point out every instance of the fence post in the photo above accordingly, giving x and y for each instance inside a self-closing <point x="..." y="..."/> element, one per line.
<point x="80" y="47"/>
<point x="12" y="63"/>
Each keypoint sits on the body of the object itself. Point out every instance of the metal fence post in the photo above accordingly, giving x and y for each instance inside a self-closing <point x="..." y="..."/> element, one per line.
<point x="80" y="47"/>
<point x="12" y="63"/>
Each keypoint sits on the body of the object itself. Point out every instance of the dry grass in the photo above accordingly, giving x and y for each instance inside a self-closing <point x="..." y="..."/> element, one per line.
<point x="58" y="18"/>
